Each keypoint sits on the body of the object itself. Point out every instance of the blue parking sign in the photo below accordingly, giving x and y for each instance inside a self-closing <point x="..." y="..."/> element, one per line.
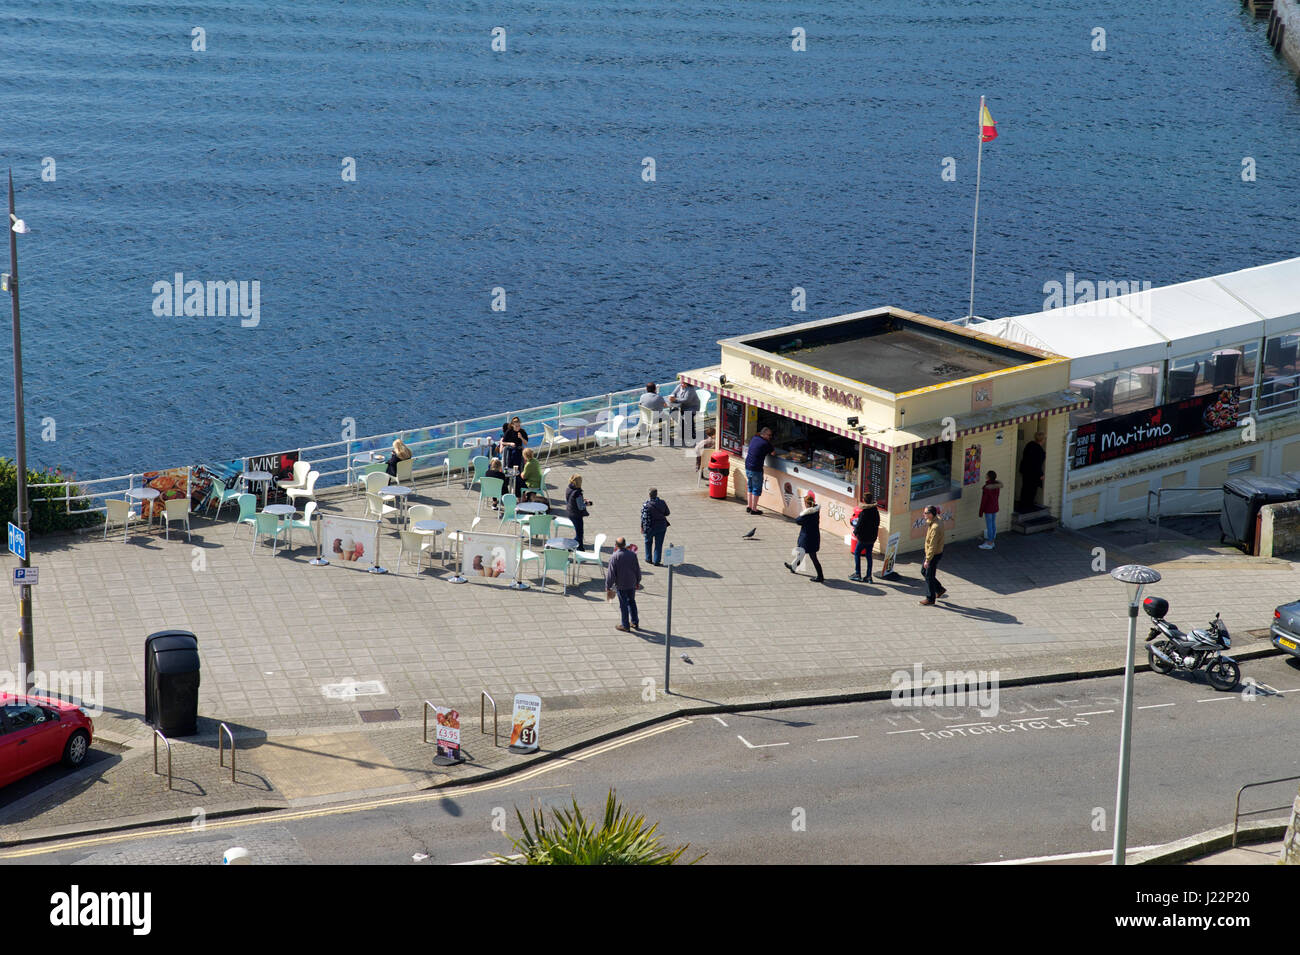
<point x="17" y="541"/>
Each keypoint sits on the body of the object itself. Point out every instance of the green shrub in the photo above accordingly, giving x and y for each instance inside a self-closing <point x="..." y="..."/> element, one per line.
<point x="48" y="512"/>
<point x="622" y="839"/>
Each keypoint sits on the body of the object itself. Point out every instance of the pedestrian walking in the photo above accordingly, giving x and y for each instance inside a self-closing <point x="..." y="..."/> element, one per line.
<point x="654" y="525"/>
<point x="575" y="506"/>
<point x="623" y="576"/>
<point x="760" y="446"/>
<point x="933" y="553"/>
<point x="810" y="537"/>
<point x="865" y="529"/>
<point x="989" y="509"/>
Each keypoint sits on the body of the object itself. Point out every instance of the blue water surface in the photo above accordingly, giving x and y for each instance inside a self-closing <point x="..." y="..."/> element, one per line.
<point x="523" y="169"/>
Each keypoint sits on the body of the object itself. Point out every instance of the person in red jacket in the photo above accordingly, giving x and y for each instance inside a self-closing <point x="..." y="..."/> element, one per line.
<point x="989" y="509"/>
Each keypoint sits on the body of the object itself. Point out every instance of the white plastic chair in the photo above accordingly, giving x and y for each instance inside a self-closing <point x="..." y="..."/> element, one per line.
<point x="375" y="506"/>
<point x="417" y="545"/>
<point x="406" y="472"/>
<point x="418" y="512"/>
<point x="592" y="556"/>
<point x="456" y="539"/>
<point x="177" y="509"/>
<point x="613" y="435"/>
<point x="119" y="512"/>
<point x="300" y="469"/>
<point x="551" y="439"/>
<point x="307" y="492"/>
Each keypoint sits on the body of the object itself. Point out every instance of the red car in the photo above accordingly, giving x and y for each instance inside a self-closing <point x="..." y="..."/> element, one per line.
<point x="36" y="732"/>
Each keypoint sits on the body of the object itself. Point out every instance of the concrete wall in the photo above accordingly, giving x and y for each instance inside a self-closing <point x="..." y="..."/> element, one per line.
<point x="1279" y="529"/>
<point x="1118" y="489"/>
<point x="1289" y="13"/>
<point x="1291" y="841"/>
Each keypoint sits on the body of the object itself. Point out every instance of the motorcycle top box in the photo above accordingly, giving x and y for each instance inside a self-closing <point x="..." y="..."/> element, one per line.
<point x="1156" y="607"/>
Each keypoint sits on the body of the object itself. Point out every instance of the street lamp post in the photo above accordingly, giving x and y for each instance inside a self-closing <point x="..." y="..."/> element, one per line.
<point x="1136" y="577"/>
<point x="26" y="649"/>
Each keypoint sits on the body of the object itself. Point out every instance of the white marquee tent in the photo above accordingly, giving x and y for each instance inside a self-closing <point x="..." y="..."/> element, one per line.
<point x="1149" y="327"/>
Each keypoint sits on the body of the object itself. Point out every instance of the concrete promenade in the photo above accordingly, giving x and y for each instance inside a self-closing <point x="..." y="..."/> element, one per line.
<point x="274" y="631"/>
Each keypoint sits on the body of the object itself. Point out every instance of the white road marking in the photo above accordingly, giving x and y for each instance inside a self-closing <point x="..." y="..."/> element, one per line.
<point x="719" y="719"/>
<point x="1297" y="690"/>
<point x="486" y="861"/>
<point x="1217" y="699"/>
<point x="758" y="745"/>
<point x="1155" y="706"/>
<point x="832" y="739"/>
<point x="964" y="725"/>
<point x="896" y="732"/>
<point x="1095" y="713"/>
<point x="1068" y="855"/>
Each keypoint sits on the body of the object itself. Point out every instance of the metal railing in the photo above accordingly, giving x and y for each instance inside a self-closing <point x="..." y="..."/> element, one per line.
<point x="427" y="707"/>
<point x="221" y="754"/>
<point x="484" y="698"/>
<point x="1237" y="813"/>
<point x="1159" y="499"/>
<point x="334" y="460"/>
<point x="157" y="735"/>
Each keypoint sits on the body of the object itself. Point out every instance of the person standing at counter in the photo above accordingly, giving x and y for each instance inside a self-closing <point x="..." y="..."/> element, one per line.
<point x="1032" y="467"/>
<point x="933" y="552"/>
<point x="865" y="529"/>
<point x="810" y="537"/>
<point x="760" y="446"/>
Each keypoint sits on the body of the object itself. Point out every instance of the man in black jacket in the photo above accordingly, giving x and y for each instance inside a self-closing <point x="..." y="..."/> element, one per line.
<point x="866" y="528"/>
<point x="1032" y="467"/>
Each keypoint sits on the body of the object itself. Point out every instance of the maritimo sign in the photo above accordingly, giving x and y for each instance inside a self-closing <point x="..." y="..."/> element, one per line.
<point x="1127" y="434"/>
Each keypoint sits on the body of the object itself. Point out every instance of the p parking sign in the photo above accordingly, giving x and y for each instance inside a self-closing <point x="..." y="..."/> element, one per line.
<point x="25" y="575"/>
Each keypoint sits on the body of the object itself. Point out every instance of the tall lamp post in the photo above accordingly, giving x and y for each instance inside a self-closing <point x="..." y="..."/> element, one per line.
<point x="1135" y="576"/>
<point x="26" y="650"/>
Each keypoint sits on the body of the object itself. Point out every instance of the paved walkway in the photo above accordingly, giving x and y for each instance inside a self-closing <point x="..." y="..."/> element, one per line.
<point x="274" y="631"/>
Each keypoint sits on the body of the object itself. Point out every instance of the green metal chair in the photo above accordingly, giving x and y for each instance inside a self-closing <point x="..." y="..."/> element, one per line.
<point x="220" y="496"/>
<point x="480" y="464"/>
<point x="508" y="502"/>
<point x="457" y="459"/>
<point x="247" y="511"/>
<point x="539" y="525"/>
<point x="555" y="558"/>
<point x="306" y="524"/>
<point x="489" y="489"/>
<point x="266" y="525"/>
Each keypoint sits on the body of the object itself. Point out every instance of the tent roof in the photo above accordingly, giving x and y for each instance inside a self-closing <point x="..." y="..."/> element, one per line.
<point x="1168" y="322"/>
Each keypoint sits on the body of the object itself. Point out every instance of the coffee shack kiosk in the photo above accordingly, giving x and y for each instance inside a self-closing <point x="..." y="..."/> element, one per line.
<point x="910" y="409"/>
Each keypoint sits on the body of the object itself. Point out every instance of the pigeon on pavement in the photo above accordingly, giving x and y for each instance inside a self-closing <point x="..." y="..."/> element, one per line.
<point x="688" y="659"/>
<point x="750" y="535"/>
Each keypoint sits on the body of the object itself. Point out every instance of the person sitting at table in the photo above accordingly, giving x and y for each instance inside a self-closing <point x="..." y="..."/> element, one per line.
<point x="530" y="476"/>
<point x="494" y="471"/>
<point x="513" y="441"/>
<point x="684" y="405"/>
<point x="400" y="453"/>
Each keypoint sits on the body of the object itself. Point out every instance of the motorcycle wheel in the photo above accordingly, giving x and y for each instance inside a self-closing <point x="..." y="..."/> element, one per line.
<point x="1223" y="674"/>
<point x="1158" y="665"/>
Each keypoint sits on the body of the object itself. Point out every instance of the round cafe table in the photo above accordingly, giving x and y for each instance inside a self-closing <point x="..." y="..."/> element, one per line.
<point x="432" y="527"/>
<point x="531" y="507"/>
<point x="284" y="512"/>
<point x="396" y="491"/>
<point x="257" y="477"/>
<point x="144" y="494"/>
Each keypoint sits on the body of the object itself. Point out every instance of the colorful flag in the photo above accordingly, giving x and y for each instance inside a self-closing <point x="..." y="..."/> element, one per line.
<point x="988" y="128"/>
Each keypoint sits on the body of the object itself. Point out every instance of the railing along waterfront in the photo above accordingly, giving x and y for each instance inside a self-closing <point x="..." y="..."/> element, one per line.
<point x="429" y="445"/>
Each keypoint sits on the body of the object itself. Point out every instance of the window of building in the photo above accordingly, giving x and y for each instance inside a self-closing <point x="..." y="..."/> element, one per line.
<point x="931" y="474"/>
<point x="1279" y="377"/>
<point x="1233" y="365"/>
<point x="811" y="447"/>
<point x="1115" y="393"/>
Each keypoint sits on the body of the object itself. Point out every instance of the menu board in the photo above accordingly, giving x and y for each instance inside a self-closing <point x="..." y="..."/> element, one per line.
<point x="875" y="475"/>
<point x="731" y="423"/>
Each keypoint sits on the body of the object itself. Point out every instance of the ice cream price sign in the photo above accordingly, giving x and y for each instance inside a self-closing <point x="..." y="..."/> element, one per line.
<point x="525" y="723"/>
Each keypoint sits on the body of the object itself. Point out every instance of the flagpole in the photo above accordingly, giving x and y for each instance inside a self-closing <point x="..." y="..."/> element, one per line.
<point x="979" y="162"/>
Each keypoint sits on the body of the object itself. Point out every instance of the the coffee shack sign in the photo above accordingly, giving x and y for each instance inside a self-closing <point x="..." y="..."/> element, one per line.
<point x="814" y="389"/>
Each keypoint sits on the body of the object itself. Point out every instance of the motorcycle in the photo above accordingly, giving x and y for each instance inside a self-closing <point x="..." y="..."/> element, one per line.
<point x="1169" y="649"/>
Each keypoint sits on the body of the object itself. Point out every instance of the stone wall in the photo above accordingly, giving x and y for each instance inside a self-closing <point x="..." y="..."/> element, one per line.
<point x="1291" y="841"/>
<point x="1279" y="529"/>
<point x="1288" y="11"/>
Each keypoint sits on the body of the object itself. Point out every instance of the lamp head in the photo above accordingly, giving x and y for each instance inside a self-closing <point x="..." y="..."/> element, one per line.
<point x="1135" y="577"/>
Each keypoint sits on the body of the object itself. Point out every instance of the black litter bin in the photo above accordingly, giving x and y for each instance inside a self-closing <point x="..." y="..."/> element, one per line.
<point x="171" y="682"/>
<point x="1242" y="499"/>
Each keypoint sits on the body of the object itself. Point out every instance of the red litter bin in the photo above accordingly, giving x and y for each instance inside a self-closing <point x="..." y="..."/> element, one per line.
<point x="719" y="470"/>
<point x="853" y="541"/>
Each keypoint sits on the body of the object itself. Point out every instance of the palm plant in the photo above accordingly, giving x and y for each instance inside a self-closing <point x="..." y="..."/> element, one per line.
<point x="621" y="839"/>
